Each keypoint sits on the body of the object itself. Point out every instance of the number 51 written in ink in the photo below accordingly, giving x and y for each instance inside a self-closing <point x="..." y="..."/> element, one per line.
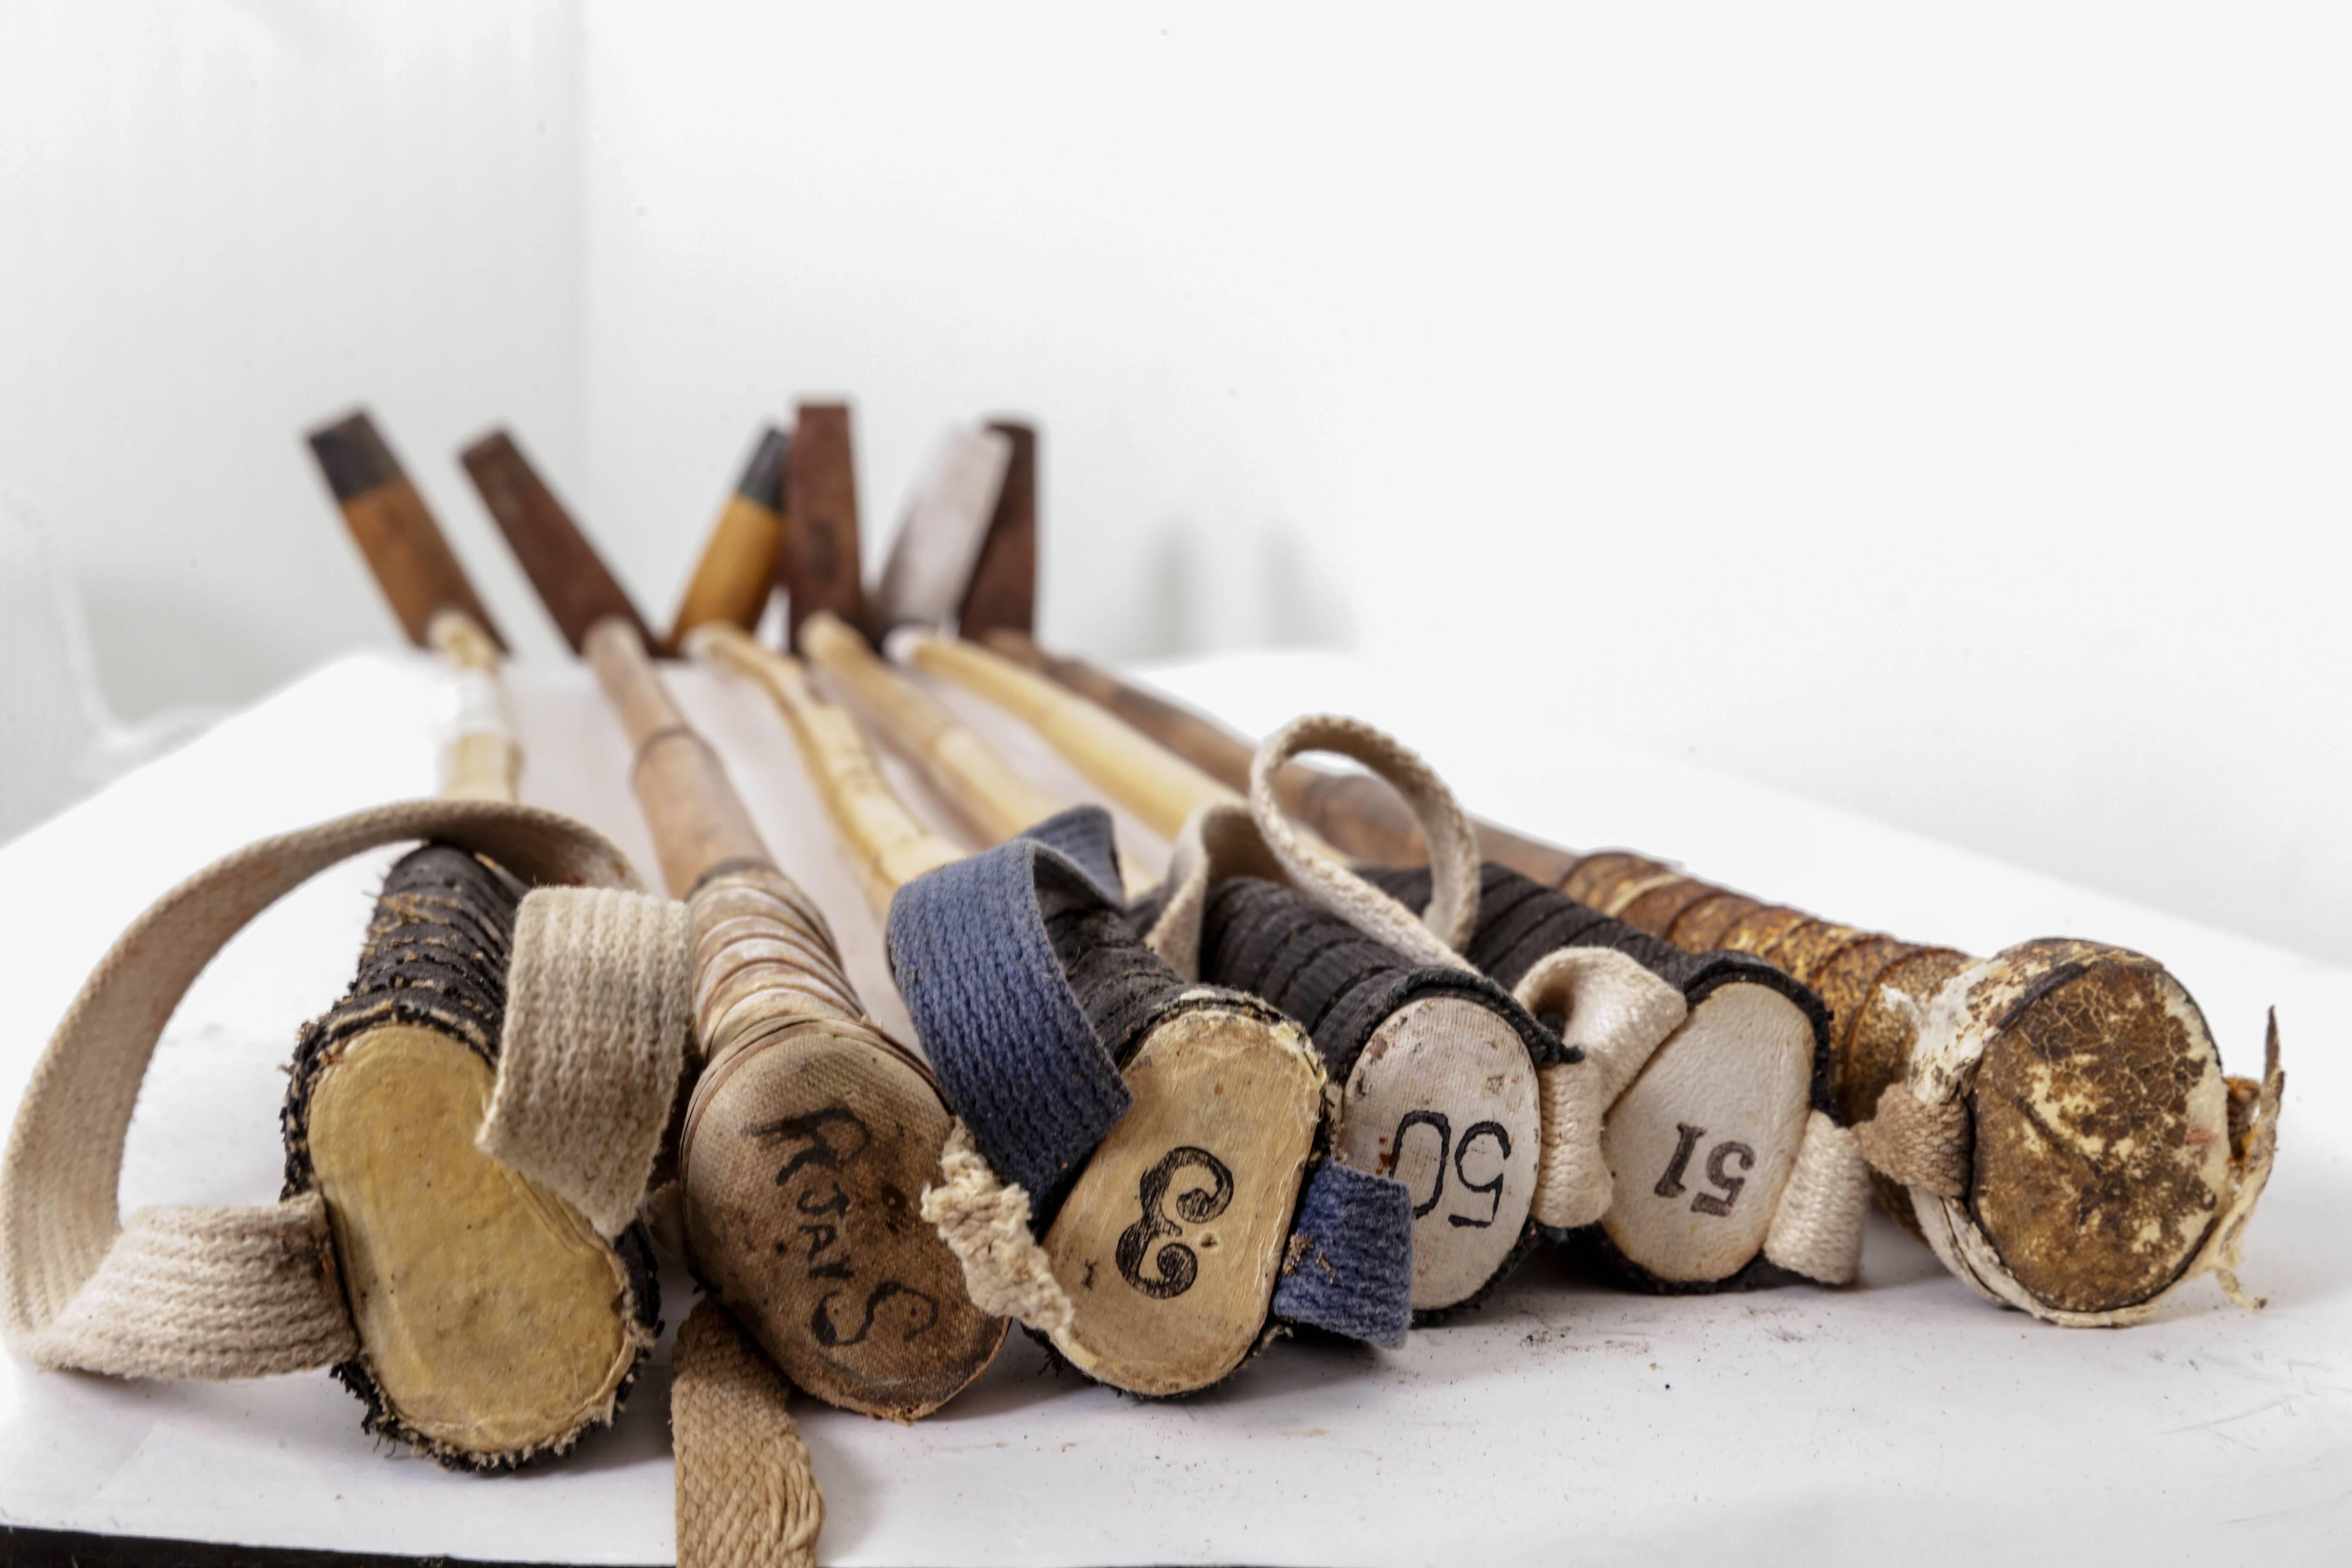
<point x="1670" y="1186"/>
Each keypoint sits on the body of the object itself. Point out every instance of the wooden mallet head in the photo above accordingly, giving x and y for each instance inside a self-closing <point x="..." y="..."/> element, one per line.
<point x="412" y="561"/>
<point x="571" y="579"/>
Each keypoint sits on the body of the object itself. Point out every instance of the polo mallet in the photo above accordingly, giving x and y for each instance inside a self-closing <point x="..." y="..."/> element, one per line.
<point x="2052" y="1120"/>
<point x="463" y="1253"/>
<point x="936" y="555"/>
<point x="809" y="1132"/>
<point x="1163" y="1137"/>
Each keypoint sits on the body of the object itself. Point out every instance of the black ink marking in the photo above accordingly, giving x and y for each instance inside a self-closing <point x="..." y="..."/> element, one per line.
<point x="811" y="1205"/>
<point x="1177" y="1264"/>
<point x="835" y="1137"/>
<point x="1670" y="1186"/>
<point x="821" y="1323"/>
<point x="1707" y="1203"/>
<point x="1496" y="1130"/>
<point x="1412" y="1119"/>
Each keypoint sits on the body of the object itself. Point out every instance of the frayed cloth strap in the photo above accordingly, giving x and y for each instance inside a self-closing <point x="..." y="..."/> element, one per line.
<point x="747" y="1496"/>
<point x="1016" y="1052"/>
<point x="1436" y="935"/>
<point x="987" y="1225"/>
<point x="593" y="1044"/>
<point x="214" y="1292"/>
<point x="1348" y="1269"/>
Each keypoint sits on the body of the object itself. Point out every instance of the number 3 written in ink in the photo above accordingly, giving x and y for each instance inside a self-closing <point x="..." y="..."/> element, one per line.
<point x="1670" y="1186"/>
<point x="1178" y="1264"/>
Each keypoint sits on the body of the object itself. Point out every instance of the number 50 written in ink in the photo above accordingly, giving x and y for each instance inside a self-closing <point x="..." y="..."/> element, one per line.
<point x="1440" y="1124"/>
<point x="1670" y="1186"/>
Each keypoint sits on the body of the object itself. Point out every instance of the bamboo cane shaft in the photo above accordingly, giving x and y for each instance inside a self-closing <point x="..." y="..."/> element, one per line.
<point x="698" y="822"/>
<point x="968" y="771"/>
<point x="1357" y="814"/>
<point x="1147" y="779"/>
<point x="482" y="760"/>
<point x="888" y="846"/>
<point x="738" y="570"/>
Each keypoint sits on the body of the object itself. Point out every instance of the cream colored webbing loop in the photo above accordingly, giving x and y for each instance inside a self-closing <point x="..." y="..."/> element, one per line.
<point x="234" y="1292"/>
<point x="1437" y="936"/>
<point x="746" y="1496"/>
<point x="1817" y="1229"/>
<point x="592" y="1045"/>
<point x="1617" y="1012"/>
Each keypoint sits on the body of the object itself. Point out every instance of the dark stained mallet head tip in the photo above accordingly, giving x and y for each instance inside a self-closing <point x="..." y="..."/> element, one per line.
<point x="763" y="476"/>
<point x="353" y="455"/>
<point x="571" y="578"/>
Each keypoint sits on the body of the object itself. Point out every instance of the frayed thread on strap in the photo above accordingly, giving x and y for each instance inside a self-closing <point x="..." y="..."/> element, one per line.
<point x="985" y="1223"/>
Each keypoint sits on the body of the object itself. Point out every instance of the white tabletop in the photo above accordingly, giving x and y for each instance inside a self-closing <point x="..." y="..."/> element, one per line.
<point x="1904" y="1420"/>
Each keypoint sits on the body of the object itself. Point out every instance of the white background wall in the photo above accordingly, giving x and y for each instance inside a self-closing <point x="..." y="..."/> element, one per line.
<point x="1940" y="415"/>
<point x="222" y="222"/>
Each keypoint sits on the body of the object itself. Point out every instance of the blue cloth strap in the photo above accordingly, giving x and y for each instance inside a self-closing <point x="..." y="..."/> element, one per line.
<point x="1015" y="1053"/>
<point x="1028" y="989"/>
<point x="1350" y="1268"/>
